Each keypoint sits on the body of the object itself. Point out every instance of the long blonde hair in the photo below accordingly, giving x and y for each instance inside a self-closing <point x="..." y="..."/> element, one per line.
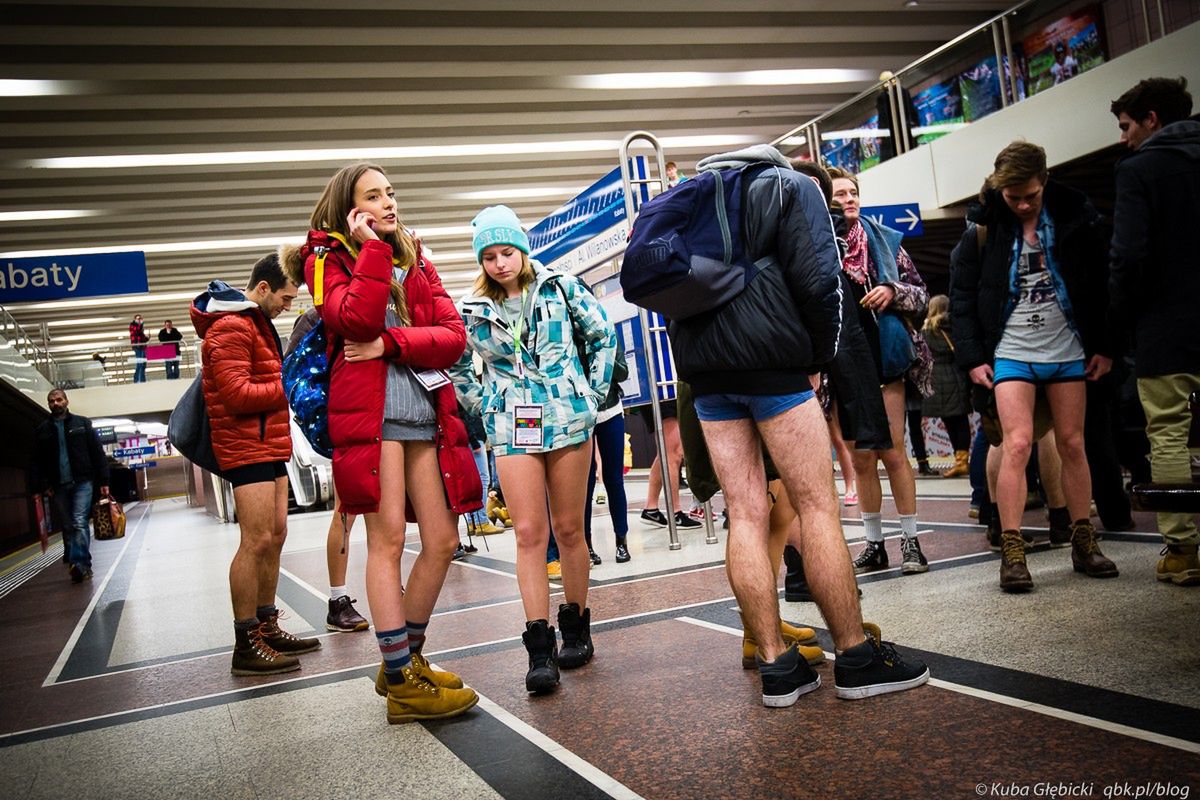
<point x="938" y="314"/>
<point x="486" y="286"/>
<point x="330" y="215"/>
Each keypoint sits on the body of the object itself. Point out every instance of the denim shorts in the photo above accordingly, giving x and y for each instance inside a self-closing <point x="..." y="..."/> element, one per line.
<point x="758" y="407"/>
<point x="1008" y="369"/>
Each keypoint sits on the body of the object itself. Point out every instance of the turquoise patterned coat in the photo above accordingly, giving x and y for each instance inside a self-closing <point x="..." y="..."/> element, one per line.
<point x="561" y="309"/>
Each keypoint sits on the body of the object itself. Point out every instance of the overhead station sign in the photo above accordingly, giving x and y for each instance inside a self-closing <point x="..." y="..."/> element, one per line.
<point x="66" y="277"/>
<point x="590" y="227"/>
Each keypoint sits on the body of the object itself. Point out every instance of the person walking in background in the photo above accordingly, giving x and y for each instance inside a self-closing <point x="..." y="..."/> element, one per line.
<point x="171" y="335"/>
<point x="950" y="400"/>
<point x="242" y="358"/>
<point x="1154" y="281"/>
<point x="889" y="292"/>
<point x="1028" y="300"/>
<point x="609" y="444"/>
<point x="538" y="400"/>
<point x="399" y="445"/>
<point x="138" y="341"/>
<point x="68" y="460"/>
<point x="674" y="176"/>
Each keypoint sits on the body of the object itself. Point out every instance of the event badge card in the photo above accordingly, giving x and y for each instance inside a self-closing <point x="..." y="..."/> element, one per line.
<point x="527" y="426"/>
<point x="431" y="378"/>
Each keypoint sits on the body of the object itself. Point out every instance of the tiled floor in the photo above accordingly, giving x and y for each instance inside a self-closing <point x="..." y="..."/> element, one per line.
<point x="120" y="687"/>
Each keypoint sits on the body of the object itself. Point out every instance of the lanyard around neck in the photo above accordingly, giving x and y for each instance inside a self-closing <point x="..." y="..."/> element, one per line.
<point x="515" y="327"/>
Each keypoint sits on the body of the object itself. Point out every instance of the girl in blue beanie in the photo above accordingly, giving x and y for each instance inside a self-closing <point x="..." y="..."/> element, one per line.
<point x="547" y="349"/>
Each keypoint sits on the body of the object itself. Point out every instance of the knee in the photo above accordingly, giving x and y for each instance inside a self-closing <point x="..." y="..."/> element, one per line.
<point x="530" y="538"/>
<point x="863" y="460"/>
<point x="441" y="548"/>
<point x="1016" y="448"/>
<point x="1070" y="445"/>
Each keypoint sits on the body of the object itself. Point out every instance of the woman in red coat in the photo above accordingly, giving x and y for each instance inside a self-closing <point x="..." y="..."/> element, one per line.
<point x="393" y="420"/>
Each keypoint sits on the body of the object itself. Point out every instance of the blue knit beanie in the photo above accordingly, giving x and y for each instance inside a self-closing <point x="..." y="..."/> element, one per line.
<point x="498" y="225"/>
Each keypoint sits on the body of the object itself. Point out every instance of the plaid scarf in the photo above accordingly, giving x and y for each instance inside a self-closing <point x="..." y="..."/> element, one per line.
<point x="855" y="261"/>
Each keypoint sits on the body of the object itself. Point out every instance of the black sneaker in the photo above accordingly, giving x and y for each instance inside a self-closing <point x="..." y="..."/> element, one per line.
<point x="795" y="584"/>
<point x="344" y="617"/>
<point x="913" y="560"/>
<point x="786" y="678"/>
<point x="682" y="520"/>
<point x="76" y="573"/>
<point x="596" y="560"/>
<point x="622" y="553"/>
<point x="872" y="559"/>
<point x="875" y="667"/>
<point x="576" y="631"/>
<point x="654" y="517"/>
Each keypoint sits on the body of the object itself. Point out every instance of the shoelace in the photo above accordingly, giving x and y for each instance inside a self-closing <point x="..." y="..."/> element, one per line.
<point x="1085" y="539"/>
<point x="1012" y="548"/>
<point x="910" y="550"/>
<point x="259" y="644"/>
<point x="273" y="630"/>
<point x="868" y="555"/>
<point x="414" y="676"/>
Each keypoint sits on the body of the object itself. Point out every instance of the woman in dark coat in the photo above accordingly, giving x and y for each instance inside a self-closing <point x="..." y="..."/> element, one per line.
<point x="950" y="400"/>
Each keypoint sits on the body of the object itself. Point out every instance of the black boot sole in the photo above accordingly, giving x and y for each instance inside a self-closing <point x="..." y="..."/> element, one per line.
<point x="541" y="681"/>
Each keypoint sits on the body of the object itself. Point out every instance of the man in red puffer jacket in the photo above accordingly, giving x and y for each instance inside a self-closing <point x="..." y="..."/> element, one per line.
<point x="251" y="437"/>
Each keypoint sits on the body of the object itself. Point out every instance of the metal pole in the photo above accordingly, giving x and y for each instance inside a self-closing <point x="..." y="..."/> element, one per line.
<point x="1146" y="21"/>
<point x="1012" y="61"/>
<point x="660" y="439"/>
<point x="999" y="65"/>
<point x="894" y="127"/>
<point x="1162" y="22"/>
<point x="710" y="531"/>
<point x="814" y="151"/>
<point x="902" y="110"/>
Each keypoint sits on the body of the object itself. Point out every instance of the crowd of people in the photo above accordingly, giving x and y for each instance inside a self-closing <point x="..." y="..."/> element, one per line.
<point x="513" y="392"/>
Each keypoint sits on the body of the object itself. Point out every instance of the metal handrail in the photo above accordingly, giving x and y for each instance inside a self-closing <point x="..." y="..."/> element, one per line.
<point x="38" y="356"/>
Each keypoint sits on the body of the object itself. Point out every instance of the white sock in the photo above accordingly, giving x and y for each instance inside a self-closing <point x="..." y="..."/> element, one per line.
<point x="873" y="522"/>
<point x="908" y="525"/>
<point x="337" y="591"/>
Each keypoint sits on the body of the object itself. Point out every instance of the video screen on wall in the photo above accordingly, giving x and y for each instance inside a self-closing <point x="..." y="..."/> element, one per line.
<point x="1063" y="49"/>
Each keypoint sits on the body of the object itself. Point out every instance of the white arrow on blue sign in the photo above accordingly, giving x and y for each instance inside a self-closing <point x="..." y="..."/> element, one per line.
<point x="904" y="217"/>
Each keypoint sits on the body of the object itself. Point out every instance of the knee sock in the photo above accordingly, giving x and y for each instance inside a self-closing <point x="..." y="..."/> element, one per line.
<point x="416" y="635"/>
<point x="873" y="522"/>
<point x="908" y="525"/>
<point x="266" y="613"/>
<point x="337" y="591"/>
<point x="1059" y="517"/>
<point x="393" y="645"/>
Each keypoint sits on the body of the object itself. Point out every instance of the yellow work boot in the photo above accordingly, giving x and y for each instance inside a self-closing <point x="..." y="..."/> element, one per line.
<point x="554" y="570"/>
<point x="791" y="636"/>
<point x="446" y="680"/>
<point x="419" y="698"/>
<point x="961" y="465"/>
<point x="1179" y="565"/>
<point x="487" y="528"/>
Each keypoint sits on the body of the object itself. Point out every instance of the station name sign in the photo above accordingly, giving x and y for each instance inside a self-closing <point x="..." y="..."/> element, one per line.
<point x="65" y="277"/>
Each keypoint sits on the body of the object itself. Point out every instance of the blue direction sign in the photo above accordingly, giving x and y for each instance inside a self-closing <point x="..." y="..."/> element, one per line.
<point x="134" y="452"/>
<point x="903" y="217"/>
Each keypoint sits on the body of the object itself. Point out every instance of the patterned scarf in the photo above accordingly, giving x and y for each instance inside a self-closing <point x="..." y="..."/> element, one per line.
<point x="855" y="261"/>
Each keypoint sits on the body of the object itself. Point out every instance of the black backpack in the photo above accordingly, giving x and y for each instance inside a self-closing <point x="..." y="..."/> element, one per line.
<point x="686" y="254"/>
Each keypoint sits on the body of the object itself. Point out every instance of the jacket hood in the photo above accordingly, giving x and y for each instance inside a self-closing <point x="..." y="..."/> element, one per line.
<point x="218" y="300"/>
<point x="1060" y="200"/>
<point x="755" y="154"/>
<point x="1181" y="137"/>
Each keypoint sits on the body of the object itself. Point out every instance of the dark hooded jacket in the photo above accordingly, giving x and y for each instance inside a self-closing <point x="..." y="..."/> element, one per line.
<point x="982" y="283"/>
<point x="786" y="323"/>
<point x="1155" y="257"/>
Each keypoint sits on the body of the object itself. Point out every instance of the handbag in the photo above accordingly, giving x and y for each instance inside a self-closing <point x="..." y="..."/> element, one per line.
<point x="189" y="429"/>
<point x="896" y="350"/>
<point x="108" y="518"/>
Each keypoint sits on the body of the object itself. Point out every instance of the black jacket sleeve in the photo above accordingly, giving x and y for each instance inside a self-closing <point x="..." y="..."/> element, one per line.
<point x="96" y="456"/>
<point x="1130" y="244"/>
<point x="810" y="261"/>
<point x="965" y="268"/>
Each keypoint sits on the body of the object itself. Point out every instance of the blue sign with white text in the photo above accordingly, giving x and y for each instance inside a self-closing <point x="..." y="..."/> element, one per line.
<point x="132" y="452"/>
<point x="585" y="216"/>
<point x="903" y="217"/>
<point x="64" y="277"/>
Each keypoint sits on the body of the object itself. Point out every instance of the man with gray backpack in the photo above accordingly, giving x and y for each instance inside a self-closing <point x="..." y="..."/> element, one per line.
<point x="743" y="261"/>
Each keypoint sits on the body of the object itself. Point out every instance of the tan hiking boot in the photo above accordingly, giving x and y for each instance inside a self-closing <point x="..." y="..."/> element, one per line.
<point x="446" y="680"/>
<point x="1085" y="553"/>
<point x="419" y="698"/>
<point x="804" y="638"/>
<point x="1179" y="565"/>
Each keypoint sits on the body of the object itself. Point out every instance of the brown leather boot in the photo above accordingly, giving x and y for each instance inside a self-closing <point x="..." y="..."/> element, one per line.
<point x="1085" y="553"/>
<point x="961" y="465"/>
<point x="1014" y="574"/>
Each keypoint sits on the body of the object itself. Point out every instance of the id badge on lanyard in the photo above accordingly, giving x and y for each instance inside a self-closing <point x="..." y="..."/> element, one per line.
<point x="528" y="430"/>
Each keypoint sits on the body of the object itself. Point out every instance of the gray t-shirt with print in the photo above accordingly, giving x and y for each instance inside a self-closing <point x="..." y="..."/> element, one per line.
<point x="1037" y="330"/>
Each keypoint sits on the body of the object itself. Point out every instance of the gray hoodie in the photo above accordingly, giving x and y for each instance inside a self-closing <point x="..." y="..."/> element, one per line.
<point x="755" y="154"/>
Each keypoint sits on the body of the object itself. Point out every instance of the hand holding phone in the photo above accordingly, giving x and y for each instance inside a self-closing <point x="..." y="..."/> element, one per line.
<point x="361" y="225"/>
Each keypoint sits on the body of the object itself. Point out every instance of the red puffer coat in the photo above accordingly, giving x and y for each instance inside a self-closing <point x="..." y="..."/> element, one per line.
<point x="247" y="408"/>
<point x="354" y="308"/>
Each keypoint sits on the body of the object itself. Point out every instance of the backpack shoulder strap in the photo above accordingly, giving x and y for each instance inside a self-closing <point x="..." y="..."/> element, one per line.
<point x="980" y="239"/>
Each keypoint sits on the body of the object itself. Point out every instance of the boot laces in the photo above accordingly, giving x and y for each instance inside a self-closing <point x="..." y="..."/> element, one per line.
<point x="273" y="630"/>
<point x="869" y="554"/>
<point x="258" y="643"/>
<point x="909" y="549"/>
<point x="413" y="675"/>
<point x="1084" y="538"/>
<point x="1012" y="549"/>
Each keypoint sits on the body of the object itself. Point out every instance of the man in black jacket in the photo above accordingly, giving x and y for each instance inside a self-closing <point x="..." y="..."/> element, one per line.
<point x="748" y="363"/>
<point x="68" y="459"/>
<point x="171" y="335"/>
<point x="1154" y="282"/>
